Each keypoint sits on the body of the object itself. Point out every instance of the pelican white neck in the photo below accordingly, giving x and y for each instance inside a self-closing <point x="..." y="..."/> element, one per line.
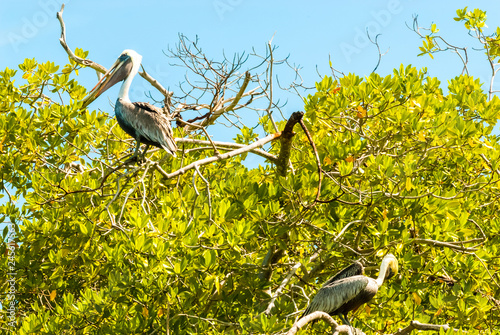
<point x="136" y="59"/>
<point x="389" y="263"/>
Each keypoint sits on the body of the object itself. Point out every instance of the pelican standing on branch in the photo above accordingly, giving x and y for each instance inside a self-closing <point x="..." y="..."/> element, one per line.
<point x="141" y="120"/>
<point x="349" y="289"/>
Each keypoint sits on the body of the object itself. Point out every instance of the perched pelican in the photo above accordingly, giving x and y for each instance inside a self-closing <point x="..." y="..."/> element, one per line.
<point x="144" y="122"/>
<point x="349" y="289"/>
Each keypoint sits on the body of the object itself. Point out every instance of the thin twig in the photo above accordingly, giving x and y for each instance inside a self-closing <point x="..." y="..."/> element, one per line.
<point x="443" y="244"/>
<point x="318" y="163"/>
<point x="282" y="286"/>
<point x="204" y="131"/>
<point x="271" y="63"/>
<point x="226" y="146"/>
<point x="208" y="191"/>
<point x="421" y="326"/>
<point x="216" y="113"/>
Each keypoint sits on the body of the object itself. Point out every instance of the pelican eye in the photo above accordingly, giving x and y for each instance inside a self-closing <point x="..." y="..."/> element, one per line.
<point x="124" y="57"/>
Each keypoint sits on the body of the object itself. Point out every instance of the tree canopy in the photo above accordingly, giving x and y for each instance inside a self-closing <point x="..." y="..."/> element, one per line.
<point x="402" y="163"/>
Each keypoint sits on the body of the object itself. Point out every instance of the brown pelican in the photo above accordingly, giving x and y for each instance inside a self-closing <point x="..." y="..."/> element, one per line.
<point x="349" y="289"/>
<point x="144" y="122"/>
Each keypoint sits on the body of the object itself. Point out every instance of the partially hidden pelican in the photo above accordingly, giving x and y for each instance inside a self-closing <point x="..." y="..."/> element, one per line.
<point x="349" y="289"/>
<point x="141" y="120"/>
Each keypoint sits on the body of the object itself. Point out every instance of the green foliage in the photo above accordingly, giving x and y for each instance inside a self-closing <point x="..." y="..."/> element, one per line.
<point x="417" y="167"/>
<point x="407" y="168"/>
<point x="475" y="22"/>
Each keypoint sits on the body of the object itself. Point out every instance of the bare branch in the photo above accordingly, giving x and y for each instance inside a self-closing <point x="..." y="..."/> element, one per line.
<point x="271" y="63"/>
<point x="380" y="54"/>
<point x="421" y="326"/>
<point x="444" y="244"/>
<point x="204" y="131"/>
<point x="336" y="328"/>
<point x="215" y="114"/>
<point x="282" y="286"/>
<point x="98" y="67"/>
<point x="247" y="148"/>
<point x="224" y="146"/>
<point x="81" y="61"/>
<point x="197" y="171"/>
<point x="209" y="320"/>
<point x="156" y="84"/>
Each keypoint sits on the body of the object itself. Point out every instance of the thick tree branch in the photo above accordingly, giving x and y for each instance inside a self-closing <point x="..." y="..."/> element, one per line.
<point x="286" y="144"/>
<point x="336" y="328"/>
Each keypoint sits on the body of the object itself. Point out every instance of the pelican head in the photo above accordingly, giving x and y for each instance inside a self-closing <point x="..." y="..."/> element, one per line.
<point x="126" y="66"/>
<point x="392" y="266"/>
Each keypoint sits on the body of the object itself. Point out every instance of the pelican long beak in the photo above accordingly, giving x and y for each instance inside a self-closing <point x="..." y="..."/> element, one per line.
<point x="119" y="71"/>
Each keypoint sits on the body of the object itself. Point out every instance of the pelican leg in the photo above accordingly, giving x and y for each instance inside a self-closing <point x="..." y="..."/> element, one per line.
<point x="144" y="152"/>
<point x="345" y="320"/>
<point x="136" y="152"/>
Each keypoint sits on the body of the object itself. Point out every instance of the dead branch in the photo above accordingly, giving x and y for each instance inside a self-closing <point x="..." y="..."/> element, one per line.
<point x="250" y="147"/>
<point x="270" y="81"/>
<point x="189" y="124"/>
<point x="213" y="116"/>
<point x="344" y="329"/>
<point x="224" y="146"/>
<point x="286" y="144"/>
<point x="79" y="60"/>
<point x="197" y="171"/>
<point x="281" y="287"/>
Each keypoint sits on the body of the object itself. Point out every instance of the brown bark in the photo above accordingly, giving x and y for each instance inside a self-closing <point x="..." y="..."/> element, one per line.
<point x="286" y="144"/>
